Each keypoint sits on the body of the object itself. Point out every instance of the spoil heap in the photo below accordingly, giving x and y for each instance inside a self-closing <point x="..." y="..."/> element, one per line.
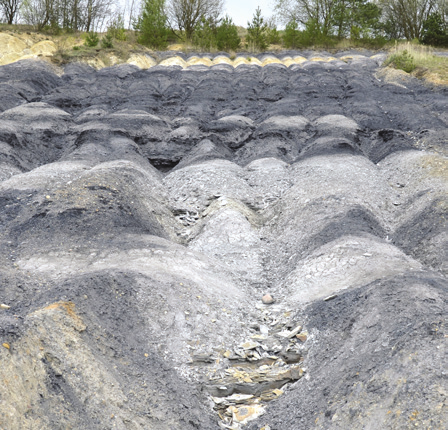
<point x="145" y="213"/>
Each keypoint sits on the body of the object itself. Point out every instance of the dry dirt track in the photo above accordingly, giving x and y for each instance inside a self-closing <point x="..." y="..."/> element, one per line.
<point x="143" y="214"/>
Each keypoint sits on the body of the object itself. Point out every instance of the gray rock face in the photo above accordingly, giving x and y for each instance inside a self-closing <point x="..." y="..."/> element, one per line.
<point x="144" y="214"/>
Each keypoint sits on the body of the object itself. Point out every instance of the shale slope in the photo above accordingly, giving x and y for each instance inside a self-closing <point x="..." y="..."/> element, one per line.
<point x="144" y="213"/>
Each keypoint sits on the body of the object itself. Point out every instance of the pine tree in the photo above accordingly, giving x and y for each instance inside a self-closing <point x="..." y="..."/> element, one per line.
<point x="152" y="25"/>
<point x="227" y="35"/>
<point x="291" y="36"/>
<point x="257" y="31"/>
<point x="204" y="36"/>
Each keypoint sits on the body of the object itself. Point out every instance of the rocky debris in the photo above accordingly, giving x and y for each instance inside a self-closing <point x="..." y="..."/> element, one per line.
<point x="258" y="382"/>
<point x="187" y="217"/>
<point x="242" y="379"/>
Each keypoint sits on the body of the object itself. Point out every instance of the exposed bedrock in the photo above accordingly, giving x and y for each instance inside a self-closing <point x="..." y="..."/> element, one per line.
<point x="214" y="244"/>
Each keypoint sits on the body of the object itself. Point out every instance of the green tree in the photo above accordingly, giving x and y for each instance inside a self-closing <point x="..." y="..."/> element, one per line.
<point x="152" y="25"/>
<point x="186" y="14"/>
<point x="273" y="35"/>
<point x="210" y="33"/>
<point x="434" y="31"/>
<point x="355" y="18"/>
<point x="257" y="31"/>
<point x="69" y="15"/>
<point x="227" y="35"/>
<point x="321" y="13"/>
<point x="314" y="33"/>
<point x="405" y="18"/>
<point x="204" y="35"/>
<point x="291" y="36"/>
<point x="329" y="17"/>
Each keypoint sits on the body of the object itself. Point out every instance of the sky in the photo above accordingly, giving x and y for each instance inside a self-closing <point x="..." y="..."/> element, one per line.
<point x="242" y="11"/>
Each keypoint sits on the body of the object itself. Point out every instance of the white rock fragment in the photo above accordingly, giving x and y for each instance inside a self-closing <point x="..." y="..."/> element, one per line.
<point x="237" y="398"/>
<point x="249" y="345"/>
<point x="284" y="334"/>
<point x="294" y="332"/>
<point x="264" y="329"/>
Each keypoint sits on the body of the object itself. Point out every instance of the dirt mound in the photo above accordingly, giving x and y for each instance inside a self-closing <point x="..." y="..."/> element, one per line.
<point x="144" y="213"/>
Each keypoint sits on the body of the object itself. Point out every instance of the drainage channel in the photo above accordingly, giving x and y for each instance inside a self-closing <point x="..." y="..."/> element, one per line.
<point x="242" y="379"/>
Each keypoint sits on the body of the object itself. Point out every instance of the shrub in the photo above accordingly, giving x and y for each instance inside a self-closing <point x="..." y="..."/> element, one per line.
<point x="53" y="28"/>
<point x="403" y="61"/>
<point x="106" y="41"/>
<point x="116" y="28"/>
<point x="92" y="39"/>
<point x="227" y="38"/>
<point x="62" y="52"/>
<point x="375" y="42"/>
<point x="209" y="35"/>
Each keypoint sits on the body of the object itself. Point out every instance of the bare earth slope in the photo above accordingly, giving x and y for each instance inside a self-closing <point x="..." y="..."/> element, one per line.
<point x="144" y="213"/>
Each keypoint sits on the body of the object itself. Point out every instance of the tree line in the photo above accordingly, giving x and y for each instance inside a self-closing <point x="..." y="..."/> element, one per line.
<point x="76" y="15"/>
<point x="426" y="20"/>
<point x="202" y="22"/>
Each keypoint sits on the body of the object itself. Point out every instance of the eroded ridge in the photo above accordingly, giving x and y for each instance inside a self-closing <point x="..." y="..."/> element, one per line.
<point x="145" y="213"/>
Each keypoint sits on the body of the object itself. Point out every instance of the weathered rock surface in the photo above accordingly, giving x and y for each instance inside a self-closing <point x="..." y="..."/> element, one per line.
<point x="145" y="213"/>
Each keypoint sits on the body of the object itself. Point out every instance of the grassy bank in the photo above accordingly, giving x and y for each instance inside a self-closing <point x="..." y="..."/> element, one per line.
<point x="421" y="59"/>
